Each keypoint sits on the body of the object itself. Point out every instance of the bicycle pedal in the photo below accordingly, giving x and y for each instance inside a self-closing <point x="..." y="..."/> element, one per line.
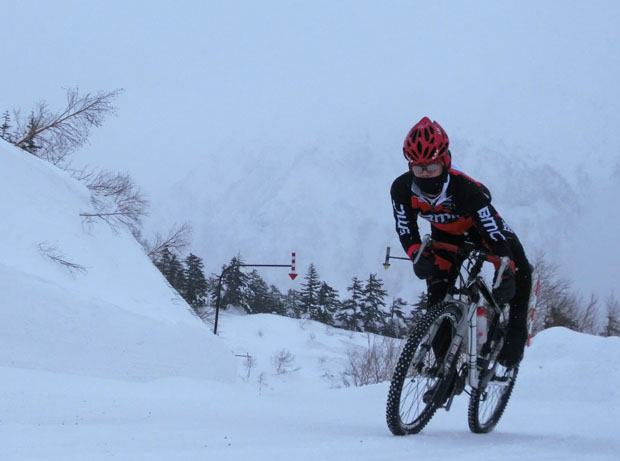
<point x="459" y="386"/>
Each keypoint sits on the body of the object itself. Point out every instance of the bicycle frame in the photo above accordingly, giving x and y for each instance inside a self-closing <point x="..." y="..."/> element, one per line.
<point x="468" y="327"/>
<point x="473" y="289"/>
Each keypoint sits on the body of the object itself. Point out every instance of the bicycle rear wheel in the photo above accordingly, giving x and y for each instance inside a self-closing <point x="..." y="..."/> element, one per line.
<point x="417" y="388"/>
<point x="488" y="402"/>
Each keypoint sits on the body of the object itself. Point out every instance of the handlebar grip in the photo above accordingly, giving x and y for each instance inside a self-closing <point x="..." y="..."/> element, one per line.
<point x="386" y="264"/>
<point x="425" y="241"/>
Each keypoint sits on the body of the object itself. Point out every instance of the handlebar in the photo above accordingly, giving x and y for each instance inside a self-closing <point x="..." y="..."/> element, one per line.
<point x="501" y="262"/>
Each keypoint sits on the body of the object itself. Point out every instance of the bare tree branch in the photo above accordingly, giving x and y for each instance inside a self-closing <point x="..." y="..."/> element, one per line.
<point x="178" y="238"/>
<point x="589" y="319"/>
<point x="116" y="200"/>
<point x="52" y="136"/>
<point x="52" y="253"/>
<point x="612" y="327"/>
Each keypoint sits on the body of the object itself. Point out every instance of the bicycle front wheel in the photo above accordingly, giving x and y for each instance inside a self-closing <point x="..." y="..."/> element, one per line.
<point x="417" y="388"/>
<point x="488" y="402"/>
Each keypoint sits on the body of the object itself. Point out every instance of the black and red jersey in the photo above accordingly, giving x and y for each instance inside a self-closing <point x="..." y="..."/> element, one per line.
<point x="461" y="211"/>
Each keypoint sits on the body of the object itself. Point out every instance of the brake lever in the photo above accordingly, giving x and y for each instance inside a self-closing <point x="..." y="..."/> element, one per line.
<point x="500" y="271"/>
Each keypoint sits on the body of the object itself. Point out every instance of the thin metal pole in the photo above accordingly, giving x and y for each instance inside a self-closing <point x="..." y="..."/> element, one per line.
<point x="219" y="286"/>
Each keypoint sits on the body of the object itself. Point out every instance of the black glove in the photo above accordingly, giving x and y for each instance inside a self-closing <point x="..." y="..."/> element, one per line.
<point x="507" y="287"/>
<point x="425" y="267"/>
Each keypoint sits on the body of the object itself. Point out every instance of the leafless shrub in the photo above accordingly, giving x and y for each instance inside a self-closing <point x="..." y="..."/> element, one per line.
<point x="53" y="254"/>
<point x="612" y="321"/>
<point x="557" y="304"/>
<point x="205" y="313"/>
<point x="589" y="322"/>
<point x="249" y="363"/>
<point x="283" y="362"/>
<point x="372" y="365"/>
<point x="52" y="136"/>
<point x="177" y="240"/>
<point x="116" y="200"/>
<point x="261" y="380"/>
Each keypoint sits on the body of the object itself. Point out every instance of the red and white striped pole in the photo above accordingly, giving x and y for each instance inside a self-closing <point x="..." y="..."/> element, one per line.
<point x="532" y="306"/>
<point x="292" y="275"/>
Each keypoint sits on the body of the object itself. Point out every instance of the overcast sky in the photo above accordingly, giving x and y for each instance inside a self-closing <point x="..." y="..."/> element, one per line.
<point x="238" y="73"/>
<point x="215" y="87"/>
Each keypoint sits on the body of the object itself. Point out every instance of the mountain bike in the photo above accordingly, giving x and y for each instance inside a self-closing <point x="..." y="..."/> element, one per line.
<point x="441" y="356"/>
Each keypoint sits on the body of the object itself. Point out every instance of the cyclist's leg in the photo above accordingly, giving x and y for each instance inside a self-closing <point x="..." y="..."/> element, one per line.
<point x="516" y="336"/>
<point x="437" y="288"/>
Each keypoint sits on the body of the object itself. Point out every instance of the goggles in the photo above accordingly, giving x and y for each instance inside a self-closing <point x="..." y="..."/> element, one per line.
<point x="430" y="168"/>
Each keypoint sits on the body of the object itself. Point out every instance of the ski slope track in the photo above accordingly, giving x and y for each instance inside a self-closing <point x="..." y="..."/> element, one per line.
<point x="107" y="362"/>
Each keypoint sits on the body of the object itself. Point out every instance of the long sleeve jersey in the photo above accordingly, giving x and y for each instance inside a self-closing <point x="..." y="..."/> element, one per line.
<point x="461" y="211"/>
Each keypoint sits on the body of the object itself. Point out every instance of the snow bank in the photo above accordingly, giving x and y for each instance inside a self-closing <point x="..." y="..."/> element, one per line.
<point x="569" y="366"/>
<point x="116" y="317"/>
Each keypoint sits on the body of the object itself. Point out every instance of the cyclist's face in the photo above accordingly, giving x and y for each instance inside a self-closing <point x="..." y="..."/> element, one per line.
<point x="429" y="170"/>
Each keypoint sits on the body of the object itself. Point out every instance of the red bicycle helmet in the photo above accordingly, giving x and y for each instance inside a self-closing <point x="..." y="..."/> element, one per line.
<point x="427" y="142"/>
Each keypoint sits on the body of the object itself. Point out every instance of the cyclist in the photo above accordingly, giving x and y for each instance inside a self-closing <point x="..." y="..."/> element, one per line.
<point x="458" y="209"/>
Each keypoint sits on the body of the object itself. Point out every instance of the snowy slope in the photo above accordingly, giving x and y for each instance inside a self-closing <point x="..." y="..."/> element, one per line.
<point x="115" y="318"/>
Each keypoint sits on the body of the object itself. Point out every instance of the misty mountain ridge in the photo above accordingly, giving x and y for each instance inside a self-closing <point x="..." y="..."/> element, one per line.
<point x="330" y="204"/>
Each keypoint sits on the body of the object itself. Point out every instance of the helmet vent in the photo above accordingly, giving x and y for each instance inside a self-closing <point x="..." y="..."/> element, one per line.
<point x="427" y="141"/>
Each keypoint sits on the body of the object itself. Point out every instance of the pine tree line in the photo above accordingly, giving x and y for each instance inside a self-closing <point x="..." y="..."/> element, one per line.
<point x="365" y="309"/>
<point x="366" y="306"/>
<point x="186" y="276"/>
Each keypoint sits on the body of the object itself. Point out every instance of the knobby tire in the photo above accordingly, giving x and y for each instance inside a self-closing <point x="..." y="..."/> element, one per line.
<point x="488" y="402"/>
<point x="407" y="411"/>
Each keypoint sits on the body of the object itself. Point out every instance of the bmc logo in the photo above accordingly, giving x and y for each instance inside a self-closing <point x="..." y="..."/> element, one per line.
<point x="401" y="219"/>
<point x="440" y="218"/>
<point x="489" y="223"/>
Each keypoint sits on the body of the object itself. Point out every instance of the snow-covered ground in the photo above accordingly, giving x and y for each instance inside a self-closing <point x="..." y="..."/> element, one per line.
<point x="565" y="406"/>
<point x="107" y="363"/>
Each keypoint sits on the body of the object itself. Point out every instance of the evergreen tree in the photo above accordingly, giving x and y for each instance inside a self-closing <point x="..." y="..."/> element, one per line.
<point x="309" y="295"/>
<point x="418" y="310"/>
<point x="195" y="288"/>
<point x="212" y="284"/>
<point x="29" y="143"/>
<point x="234" y="286"/>
<point x="328" y="303"/>
<point x="172" y="269"/>
<point x="291" y="304"/>
<point x="275" y="302"/>
<point x="349" y="316"/>
<point x="396" y="325"/>
<point x="373" y="304"/>
<point x="5" y="127"/>
<point x="259" y="300"/>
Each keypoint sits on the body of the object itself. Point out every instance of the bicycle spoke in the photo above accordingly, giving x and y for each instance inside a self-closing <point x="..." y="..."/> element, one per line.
<point x="411" y="400"/>
<point x="487" y="405"/>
